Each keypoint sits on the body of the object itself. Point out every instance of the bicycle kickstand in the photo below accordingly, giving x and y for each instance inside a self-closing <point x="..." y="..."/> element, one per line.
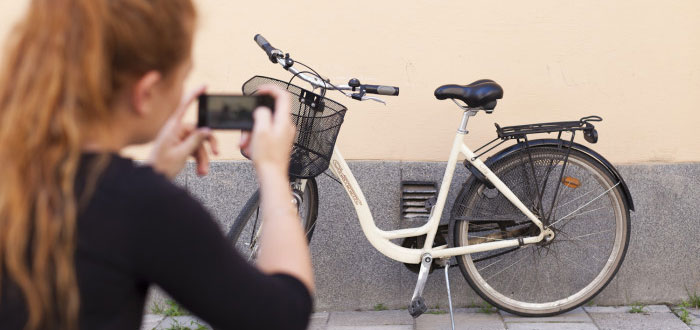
<point x="449" y="295"/>
<point x="418" y="306"/>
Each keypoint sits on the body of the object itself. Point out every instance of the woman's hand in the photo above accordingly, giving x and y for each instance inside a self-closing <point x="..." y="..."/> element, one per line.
<point x="269" y="145"/>
<point x="177" y="141"/>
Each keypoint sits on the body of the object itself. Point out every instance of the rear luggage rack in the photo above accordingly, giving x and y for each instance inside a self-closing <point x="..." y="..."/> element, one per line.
<point x="520" y="131"/>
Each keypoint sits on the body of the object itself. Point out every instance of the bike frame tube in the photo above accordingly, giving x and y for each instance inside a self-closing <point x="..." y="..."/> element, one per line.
<point x="380" y="239"/>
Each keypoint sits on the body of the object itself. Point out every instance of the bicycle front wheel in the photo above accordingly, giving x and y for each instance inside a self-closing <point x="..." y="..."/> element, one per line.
<point x="245" y="232"/>
<point x="571" y="193"/>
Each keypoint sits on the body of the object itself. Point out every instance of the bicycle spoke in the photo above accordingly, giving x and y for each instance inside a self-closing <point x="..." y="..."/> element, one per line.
<point x="590" y="234"/>
<point x="578" y="215"/>
<point x="575" y="199"/>
<point x="513" y="264"/>
<point x="599" y="196"/>
<point x="491" y="264"/>
<point x="583" y="268"/>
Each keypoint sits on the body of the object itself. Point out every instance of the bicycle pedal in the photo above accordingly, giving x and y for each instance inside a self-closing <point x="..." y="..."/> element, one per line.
<point x="417" y="307"/>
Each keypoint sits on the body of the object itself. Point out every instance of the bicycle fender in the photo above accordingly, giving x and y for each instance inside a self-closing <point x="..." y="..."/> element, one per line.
<point x="575" y="146"/>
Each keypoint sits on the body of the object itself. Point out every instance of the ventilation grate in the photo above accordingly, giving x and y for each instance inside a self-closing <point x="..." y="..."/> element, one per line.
<point x="417" y="198"/>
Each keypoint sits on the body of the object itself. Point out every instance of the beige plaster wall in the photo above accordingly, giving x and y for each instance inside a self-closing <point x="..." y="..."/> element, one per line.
<point x="635" y="63"/>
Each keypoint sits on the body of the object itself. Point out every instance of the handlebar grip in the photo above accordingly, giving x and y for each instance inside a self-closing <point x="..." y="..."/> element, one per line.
<point x="382" y="90"/>
<point x="262" y="42"/>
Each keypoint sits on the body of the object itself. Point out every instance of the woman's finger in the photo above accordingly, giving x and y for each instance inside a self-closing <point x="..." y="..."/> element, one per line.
<point x="202" y="159"/>
<point x="262" y="120"/>
<point x="245" y="140"/>
<point x="213" y="144"/>
<point x="282" y="104"/>
<point x="194" y="141"/>
<point x="186" y="130"/>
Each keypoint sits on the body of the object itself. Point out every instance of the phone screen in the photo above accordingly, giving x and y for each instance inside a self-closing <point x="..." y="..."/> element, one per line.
<point x="229" y="111"/>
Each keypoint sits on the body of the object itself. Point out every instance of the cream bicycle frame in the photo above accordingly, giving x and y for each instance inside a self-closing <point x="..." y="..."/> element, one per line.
<point x="380" y="239"/>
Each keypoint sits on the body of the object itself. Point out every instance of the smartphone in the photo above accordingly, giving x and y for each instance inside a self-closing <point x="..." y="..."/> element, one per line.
<point x="221" y="111"/>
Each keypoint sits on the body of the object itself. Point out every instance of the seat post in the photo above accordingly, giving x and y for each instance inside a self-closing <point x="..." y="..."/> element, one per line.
<point x="465" y="120"/>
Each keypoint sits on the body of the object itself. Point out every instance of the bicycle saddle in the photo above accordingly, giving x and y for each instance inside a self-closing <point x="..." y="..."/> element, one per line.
<point x="479" y="94"/>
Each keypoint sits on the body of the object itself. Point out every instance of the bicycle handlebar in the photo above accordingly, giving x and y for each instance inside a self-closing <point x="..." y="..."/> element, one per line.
<point x="276" y="56"/>
<point x="382" y="90"/>
<point x="269" y="50"/>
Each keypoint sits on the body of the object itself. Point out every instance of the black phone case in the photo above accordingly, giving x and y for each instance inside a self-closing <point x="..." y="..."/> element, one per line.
<point x="203" y="119"/>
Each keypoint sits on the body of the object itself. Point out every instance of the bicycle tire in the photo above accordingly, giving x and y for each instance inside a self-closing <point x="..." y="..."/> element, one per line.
<point x="243" y="227"/>
<point x="557" y="277"/>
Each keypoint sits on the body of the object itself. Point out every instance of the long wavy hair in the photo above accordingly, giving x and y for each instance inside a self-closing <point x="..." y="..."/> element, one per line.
<point x="64" y="64"/>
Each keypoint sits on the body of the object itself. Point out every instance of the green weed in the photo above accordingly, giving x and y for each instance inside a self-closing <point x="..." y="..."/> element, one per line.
<point x="692" y="302"/>
<point x="157" y="308"/>
<point x="194" y="325"/>
<point x="637" y="308"/>
<point x="486" y="308"/>
<point x="380" y="307"/>
<point x="174" y="309"/>
<point x="683" y="314"/>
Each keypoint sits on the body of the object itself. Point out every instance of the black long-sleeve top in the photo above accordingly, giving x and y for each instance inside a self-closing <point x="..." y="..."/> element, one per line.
<point x="139" y="229"/>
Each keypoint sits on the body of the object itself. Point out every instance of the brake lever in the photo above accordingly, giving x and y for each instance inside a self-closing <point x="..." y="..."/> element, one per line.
<point x="278" y="53"/>
<point x="365" y="98"/>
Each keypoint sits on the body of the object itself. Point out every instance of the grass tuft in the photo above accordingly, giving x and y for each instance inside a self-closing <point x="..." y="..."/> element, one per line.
<point x="487" y="308"/>
<point x="692" y="302"/>
<point x="683" y="314"/>
<point x="380" y="307"/>
<point x="637" y="308"/>
<point x="194" y="325"/>
<point x="157" y="308"/>
<point x="174" y="309"/>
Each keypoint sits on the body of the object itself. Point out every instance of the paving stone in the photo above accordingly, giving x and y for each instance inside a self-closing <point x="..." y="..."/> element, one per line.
<point x="628" y="321"/>
<point x="180" y="321"/>
<point x="607" y="309"/>
<point x="576" y="315"/>
<point x="318" y="321"/>
<point x="370" y="318"/>
<point x="694" y="311"/>
<point x="150" y="321"/>
<point x="694" y="314"/>
<point x="371" y="327"/>
<point x="657" y="309"/>
<point x="551" y="326"/>
<point x="464" y="320"/>
<point x="626" y="309"/>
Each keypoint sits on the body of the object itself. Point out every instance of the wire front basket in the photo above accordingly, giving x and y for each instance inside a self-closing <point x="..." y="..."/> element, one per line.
<point x="317" y="121"/>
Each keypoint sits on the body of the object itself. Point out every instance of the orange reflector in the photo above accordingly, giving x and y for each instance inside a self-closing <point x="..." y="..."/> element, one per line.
<point x="571" y="182"/>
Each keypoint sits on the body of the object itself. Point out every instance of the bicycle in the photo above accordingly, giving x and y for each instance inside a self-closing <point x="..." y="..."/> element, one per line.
<point x="538" y="229"/>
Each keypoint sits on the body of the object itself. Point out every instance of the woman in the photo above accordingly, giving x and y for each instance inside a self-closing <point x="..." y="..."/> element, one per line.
<point x="83" y="231"/>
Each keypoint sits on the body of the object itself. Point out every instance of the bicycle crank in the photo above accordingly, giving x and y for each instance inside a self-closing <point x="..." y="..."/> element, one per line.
<point x="418" y="306"/>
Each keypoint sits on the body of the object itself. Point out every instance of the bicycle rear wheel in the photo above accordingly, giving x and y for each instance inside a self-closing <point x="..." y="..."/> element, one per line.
<point x="584" y="206"/>
<point x="245" y="232"/>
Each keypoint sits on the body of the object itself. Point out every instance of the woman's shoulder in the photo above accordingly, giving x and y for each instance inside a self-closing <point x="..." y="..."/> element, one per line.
<point x="134" y="192"/>
<point x="135" y="181"/>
